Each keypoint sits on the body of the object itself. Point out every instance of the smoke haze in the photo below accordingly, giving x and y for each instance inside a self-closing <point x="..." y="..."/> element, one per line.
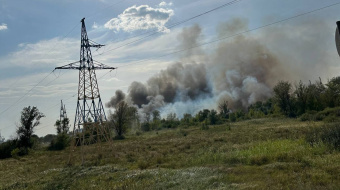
<point x="242" y="71"/>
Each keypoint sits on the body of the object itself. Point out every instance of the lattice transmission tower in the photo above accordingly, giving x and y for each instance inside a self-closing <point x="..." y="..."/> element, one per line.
<point x="63" y="114"/>
<point x="89" y="105"/>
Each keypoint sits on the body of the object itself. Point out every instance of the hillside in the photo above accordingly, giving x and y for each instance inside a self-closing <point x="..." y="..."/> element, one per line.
<point x="269" y="153"/>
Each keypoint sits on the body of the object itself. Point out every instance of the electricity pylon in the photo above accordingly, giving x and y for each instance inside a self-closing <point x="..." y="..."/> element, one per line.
<point x="90" y="112"/>
<point x="89" y="106"/>
<point x="63" y="114"/>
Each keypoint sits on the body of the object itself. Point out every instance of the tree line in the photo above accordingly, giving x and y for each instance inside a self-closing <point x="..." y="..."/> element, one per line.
<point x="312" y="101"/>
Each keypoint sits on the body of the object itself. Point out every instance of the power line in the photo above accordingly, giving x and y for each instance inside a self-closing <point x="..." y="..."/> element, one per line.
<point x="171" y="26"/>
<point x="237" y="34"/>
<point x="25" y="94"/>
<point x="219" y="39"/>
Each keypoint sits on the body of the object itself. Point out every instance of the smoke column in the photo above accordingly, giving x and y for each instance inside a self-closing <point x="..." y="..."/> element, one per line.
<point x="241" y="70"/>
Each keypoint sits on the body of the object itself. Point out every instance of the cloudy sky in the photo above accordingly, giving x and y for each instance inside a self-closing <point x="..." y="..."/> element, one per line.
<point x="38" y="35"/>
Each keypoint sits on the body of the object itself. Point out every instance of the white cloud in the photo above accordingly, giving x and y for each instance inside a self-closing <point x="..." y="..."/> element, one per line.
<point x="45" y="53"/>
<point x="165" y="4"/>
<point x="142" y="17"/>
<point x="94" y="26"/>
<point x="3" y="26"/>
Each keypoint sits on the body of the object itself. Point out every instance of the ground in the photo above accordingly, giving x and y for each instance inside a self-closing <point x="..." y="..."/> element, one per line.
<point x="268" y="153"/>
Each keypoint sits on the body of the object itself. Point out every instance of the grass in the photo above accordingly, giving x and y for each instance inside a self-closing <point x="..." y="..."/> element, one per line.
<point x="254" y="154"/>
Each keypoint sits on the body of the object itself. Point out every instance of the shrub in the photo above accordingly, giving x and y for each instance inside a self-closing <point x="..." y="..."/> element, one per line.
<point x="328" y="134"/>
<point x="142" y="164"/>
<point x="61" y="142"/>
<point x="204" y="126"/>
<point x="183" y="132"/>
<point x="7" y="147"/>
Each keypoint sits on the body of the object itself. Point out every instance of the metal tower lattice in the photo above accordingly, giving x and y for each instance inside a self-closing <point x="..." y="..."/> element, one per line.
<point x="63" y="114"/>
<point x="89" y="106"/>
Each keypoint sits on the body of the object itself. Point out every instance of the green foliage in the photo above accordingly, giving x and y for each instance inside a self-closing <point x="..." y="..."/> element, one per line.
<point x="62" y="126"/>
<point x="213" y="117"/>
<point x="332" y="93"/>
<point x="202" y="115"/>
<point x="204" y="126"/>
<point x="224" y="109"/>
<point x="145" y="126"/>
<point x="122" y="118"/>
<point x="60" y="143"/>
<point x="283" y="97"/>
<point x="7" y="147"/>
<point x="47" y="138"/>
<point x="327" y="115"/>
<point x="30" y="118"/>
<point x="327" y="134"/>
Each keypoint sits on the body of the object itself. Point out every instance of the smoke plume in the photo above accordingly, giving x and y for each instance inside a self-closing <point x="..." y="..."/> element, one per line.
<point x="242" y="71"/>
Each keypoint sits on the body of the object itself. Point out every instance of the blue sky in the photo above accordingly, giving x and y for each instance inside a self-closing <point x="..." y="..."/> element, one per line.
<point x="38" y="35"/>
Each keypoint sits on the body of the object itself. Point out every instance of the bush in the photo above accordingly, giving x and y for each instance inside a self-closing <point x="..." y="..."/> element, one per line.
<point x="204" y="126"/>
<point x="328" y="134"/>
<point x="19" y="152"/>
<point x="7" y="147"/>
<point x="61" y="142"/>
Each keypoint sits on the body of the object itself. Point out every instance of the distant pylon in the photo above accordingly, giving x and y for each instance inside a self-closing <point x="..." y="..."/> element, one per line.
<point x="63" y="114"/>
<point x="90" y="108"/>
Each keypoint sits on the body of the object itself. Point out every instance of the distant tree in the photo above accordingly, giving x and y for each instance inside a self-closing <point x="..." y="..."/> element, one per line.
<point x="30" y="118"/>
<point x="224" y="109"/>
<point x="156" y="116"/>
<point x="213" y="117"/>
<point x="2" y="139"/>
<point x="301" y="94"/>
<point x="283" y="97"/>
<point x="333" y="92"/>
<point x="202" y="115"/>
<point x="147" y="117"/>
<point x="316" y="99"/>
<point x="187" y="118"/>
<point x="62" y="126"/>
<point x="121" y="118"/>
<point x="171" y="117"/>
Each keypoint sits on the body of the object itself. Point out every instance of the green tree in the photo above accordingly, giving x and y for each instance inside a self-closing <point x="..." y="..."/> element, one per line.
<point x="202" y="115"/>
<point x="156" y="116"/>
<point x="301" y="94"/>
<point x="62" y="126"/>
<point x="224" y="109"/>
<point x="30" y="118"/>
<point x="213" y="117"/>
<point x="121" y="118"/>
<point x="333" y="92"/>
<point x="283" y="98"/>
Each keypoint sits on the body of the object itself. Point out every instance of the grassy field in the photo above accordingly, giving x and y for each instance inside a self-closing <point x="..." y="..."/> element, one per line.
<point x="254" y="154"/>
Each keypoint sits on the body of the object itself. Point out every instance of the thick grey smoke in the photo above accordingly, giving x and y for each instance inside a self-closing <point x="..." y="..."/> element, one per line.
<point x="120" y="96"/>
<point x="242" y="71"/>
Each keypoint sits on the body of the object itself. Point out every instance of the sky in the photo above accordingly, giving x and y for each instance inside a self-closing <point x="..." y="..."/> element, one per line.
<point x="38" y="35"/>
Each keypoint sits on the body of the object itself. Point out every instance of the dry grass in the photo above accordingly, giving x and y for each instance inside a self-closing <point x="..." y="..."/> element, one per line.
<point x="255" y="154"/>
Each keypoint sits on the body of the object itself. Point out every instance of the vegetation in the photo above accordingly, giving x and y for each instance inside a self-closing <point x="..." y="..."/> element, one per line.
<point x="290" y="138"/>
<point x="265" y="153"/>
<point x="122" y="117"/>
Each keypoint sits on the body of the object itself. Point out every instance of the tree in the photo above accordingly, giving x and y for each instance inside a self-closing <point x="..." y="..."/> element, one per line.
<point x="156" y="116"/>
<point x="121" y="118"/>
<point x="301" y="97"/>
<point x="213" y="118"/>
<point x="333" y="92"/>
<point x="30" y="118"/>
<point x="2" y="139"/>
<point x="223" y="108"/>
<point x="283" y="97"/>
<point x="202" y="115"/>
<point x="62" y="126"/>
